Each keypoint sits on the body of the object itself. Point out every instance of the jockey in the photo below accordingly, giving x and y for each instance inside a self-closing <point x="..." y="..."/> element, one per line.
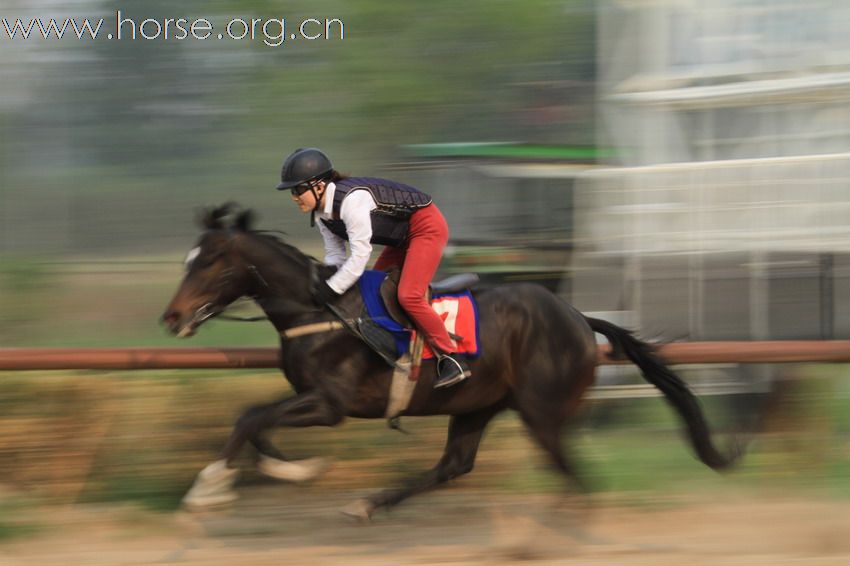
<point x="366" y="211"/>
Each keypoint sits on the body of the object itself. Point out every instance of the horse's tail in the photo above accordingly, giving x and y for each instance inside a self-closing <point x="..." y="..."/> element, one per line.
<point x="656" y="372"/>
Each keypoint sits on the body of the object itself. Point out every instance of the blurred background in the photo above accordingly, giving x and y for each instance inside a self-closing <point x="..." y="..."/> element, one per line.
<point x="680" y="167"/>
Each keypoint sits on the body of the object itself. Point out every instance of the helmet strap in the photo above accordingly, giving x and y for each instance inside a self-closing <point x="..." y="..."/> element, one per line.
<point x="316" y="206"/>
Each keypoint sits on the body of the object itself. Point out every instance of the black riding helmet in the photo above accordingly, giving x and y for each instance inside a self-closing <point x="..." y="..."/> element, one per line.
<point x="304" y="164"/>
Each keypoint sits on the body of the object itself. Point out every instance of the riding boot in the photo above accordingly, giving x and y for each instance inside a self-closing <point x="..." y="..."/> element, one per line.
<point x="451" y="369"/>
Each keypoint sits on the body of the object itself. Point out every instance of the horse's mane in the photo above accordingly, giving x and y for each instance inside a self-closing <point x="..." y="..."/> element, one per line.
<point x="226" y="216"/>
<point x="231" y="216"/>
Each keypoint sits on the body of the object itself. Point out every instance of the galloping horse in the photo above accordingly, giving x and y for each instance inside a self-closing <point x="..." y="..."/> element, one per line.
<point x="538" y="357"/>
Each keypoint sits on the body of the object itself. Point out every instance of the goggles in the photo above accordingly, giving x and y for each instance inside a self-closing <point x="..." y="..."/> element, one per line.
<point x="299" y="190"/>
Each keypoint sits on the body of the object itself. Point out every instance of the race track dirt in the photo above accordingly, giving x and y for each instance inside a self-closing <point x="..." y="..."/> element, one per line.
<point x="275" y="524"/>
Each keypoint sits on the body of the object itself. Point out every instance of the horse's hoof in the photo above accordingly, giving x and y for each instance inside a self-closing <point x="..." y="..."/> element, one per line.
<point x="296" y="471"/>
<point x="200" y="502"/>
<point x="212" y="487"/>
<point x="361" y="510"/>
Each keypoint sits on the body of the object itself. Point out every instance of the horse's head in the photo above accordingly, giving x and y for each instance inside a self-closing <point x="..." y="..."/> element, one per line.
<point x="216" y="273"/>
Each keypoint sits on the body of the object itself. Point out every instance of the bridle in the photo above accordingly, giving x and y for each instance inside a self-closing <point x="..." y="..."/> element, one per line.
<point x="209" y="309"/>
<point x="252" y="269"/>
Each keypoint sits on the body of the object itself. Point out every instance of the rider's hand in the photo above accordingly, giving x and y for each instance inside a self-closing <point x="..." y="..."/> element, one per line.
<point x="323" y="294"/>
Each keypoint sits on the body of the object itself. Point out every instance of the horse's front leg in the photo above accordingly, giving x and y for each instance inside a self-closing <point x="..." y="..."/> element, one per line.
<point x="214" y="484"/>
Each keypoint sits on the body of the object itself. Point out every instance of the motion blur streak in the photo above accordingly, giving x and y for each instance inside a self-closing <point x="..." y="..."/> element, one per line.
<point x="678" y="168"/>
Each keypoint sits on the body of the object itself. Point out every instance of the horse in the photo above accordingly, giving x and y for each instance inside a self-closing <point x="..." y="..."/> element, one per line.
<point x="539" y="356"/>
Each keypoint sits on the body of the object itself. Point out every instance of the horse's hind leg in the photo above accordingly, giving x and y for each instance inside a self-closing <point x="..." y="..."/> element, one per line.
<point x="569" y="513"/>
<point x="465" y="432"/>
<point x="550" y="397"/>
<point x="547" y="433"/>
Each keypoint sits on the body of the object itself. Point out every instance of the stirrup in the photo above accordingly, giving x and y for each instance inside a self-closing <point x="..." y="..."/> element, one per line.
<point x="462" y="372"/>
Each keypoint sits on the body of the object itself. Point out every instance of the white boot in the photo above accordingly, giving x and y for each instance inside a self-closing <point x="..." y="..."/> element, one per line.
<point x="295" y="471"/>
<point x="213" y="486"/>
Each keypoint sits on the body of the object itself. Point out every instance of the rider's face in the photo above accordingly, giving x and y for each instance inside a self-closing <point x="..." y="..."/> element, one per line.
<point x="306" y="201"/>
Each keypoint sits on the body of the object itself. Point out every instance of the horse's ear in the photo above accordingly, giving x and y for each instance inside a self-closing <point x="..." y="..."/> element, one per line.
<point x="244" y="220"/>
<point x="211" y="217"/>
<point x="207" y="219"/>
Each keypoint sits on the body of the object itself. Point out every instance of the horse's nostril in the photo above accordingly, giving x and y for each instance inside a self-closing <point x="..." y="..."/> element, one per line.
<point x="170" y="317"/>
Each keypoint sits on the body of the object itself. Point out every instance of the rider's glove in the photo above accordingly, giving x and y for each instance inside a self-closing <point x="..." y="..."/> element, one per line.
<point x="323" y="294"/>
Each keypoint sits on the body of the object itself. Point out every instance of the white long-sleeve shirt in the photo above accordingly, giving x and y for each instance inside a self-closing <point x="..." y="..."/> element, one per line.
<point x="355" y="212"/>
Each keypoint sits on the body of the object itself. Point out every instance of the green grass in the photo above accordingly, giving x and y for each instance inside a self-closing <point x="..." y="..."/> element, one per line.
<point x="152" y="494"/>
<point x="57" y="305"/>
<point x="14" y="522"/>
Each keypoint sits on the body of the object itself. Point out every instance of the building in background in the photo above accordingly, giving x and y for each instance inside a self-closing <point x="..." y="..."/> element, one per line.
<point x="726" y="213"/>
<point x="509" y="206"/>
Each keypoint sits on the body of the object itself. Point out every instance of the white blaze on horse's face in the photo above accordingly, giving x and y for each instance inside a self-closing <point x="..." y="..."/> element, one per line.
<point x="195" y="301"/>
<point x="191" y="256"/>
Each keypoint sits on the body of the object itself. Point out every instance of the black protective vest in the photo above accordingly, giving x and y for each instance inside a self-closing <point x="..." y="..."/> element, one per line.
<point x="396" y="202"/>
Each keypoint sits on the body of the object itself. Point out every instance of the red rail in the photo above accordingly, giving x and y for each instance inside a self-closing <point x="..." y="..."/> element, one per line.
<point x="15" y="359"/>
<point x="136" y="358"/>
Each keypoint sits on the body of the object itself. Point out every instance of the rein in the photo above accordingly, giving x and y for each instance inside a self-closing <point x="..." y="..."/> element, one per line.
<point x="295" y="331"/>
<point x="243" y="318"/>
<point x="206" y="311"/>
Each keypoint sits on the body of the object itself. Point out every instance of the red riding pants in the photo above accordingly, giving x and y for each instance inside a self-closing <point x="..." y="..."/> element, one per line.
<point x="418" y="260"/>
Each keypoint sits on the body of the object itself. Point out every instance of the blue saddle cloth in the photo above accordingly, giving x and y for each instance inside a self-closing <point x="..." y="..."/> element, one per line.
<point x="370" y="289"/>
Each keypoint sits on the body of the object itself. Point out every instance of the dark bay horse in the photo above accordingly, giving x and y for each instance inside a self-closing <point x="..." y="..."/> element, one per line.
<point x="538" y="358"/>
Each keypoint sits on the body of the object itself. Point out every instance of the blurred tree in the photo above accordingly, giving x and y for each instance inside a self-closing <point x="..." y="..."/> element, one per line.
<point x="428" y="71"/>
<point x="112" y="130"/>
<point x="404" y="73"/>
<point x="145" y="104"/>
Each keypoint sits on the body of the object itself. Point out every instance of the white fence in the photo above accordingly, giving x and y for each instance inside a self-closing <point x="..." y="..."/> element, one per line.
<point x="790" y="204"/>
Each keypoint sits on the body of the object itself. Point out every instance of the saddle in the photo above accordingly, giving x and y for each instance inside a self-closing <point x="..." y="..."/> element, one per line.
<point x="384" y="337"/>
<point x="386" y="328"/>
<point x="451" y="284"/>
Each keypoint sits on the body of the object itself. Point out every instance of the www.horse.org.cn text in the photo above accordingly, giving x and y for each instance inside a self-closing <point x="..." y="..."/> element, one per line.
<point x="272" y="32"/>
